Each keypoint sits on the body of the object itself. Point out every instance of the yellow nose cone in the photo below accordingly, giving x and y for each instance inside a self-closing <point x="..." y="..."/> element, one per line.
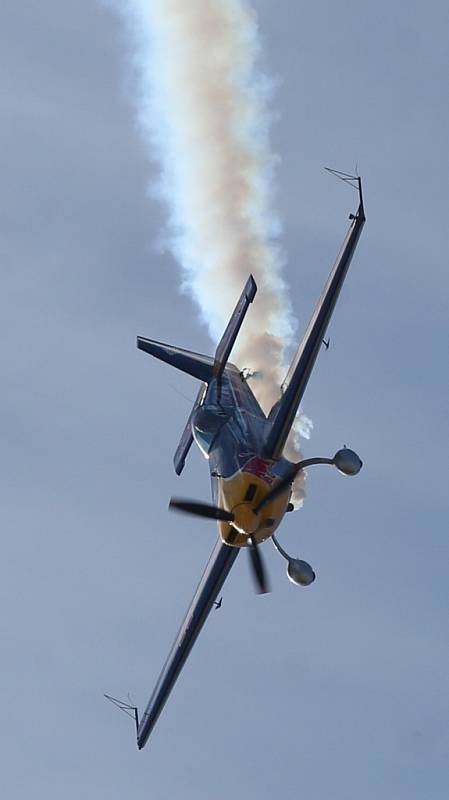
<point x="245" y="520"/>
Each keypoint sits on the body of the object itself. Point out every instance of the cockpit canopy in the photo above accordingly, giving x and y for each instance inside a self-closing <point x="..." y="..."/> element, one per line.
<point x="207" y="423"/>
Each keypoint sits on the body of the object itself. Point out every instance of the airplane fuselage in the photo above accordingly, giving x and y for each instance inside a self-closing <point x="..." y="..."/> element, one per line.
<point x="251" y="479"/>
<point x="230" y="429"/>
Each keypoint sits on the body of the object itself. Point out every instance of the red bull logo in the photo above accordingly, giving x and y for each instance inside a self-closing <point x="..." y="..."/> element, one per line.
<point x="257" y="466"/>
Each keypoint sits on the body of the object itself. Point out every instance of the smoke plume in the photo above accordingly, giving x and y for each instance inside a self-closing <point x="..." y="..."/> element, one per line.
<point x="203" y="109"/>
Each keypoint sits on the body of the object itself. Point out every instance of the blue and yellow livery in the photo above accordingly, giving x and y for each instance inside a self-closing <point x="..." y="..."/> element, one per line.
<point x="251" y="479"/>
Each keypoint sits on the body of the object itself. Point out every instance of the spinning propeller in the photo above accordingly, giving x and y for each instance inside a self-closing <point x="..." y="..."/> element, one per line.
<point x="346" y="461"/>
<point x="214" y="512"/>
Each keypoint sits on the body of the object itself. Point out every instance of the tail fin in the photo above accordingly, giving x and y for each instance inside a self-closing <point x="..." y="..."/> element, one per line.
<point x="283" y="413"/>
<point x="195" y="364"/>
<point x="202" y="367"/>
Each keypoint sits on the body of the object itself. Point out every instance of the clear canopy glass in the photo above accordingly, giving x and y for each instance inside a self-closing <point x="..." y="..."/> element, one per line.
<point x="206" y="425"/>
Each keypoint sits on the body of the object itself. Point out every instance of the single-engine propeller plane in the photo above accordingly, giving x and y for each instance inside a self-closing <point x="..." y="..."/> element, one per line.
<point x="251" y="479"/>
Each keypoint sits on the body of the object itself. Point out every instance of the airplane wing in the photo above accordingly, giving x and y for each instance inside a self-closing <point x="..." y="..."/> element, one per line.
<point x="283" y="413"/>
<point x="215" y="574"/>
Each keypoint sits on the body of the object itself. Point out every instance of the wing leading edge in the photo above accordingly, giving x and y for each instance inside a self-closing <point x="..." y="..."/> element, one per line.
<point x="212" y="580"/>
<point x="284" y="411"/>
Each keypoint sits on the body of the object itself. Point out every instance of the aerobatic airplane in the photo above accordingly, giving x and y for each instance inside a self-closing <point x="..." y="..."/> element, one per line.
<point x="251" y="479"/>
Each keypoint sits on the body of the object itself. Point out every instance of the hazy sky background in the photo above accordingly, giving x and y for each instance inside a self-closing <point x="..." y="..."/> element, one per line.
<point x="337" y="691"/>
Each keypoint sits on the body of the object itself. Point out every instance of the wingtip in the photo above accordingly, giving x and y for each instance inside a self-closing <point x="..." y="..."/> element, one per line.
<point x="356" y="182"/>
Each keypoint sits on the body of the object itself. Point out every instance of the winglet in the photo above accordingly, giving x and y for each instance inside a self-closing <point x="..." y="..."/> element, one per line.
<point x="127" y="708"/>
<point x="356" y="182"/>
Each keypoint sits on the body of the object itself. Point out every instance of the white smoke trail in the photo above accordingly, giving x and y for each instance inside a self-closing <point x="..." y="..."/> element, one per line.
<point x="203" y="109"/>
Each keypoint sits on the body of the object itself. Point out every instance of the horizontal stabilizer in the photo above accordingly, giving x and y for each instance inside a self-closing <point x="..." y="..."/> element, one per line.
<point x="226" y="343"/>
<point x="187" y="437"/>
<point x="195" y="364"/>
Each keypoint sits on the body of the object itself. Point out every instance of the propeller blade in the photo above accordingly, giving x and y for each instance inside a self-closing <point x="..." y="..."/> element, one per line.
<point x="278" y="489"/>
<point x="346" y="460"/>
<point x="200" y="509"/>
<point x="258" y="569"/>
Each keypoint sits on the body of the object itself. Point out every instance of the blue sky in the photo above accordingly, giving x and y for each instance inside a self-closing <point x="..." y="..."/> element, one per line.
<point x="339" y="690"/>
